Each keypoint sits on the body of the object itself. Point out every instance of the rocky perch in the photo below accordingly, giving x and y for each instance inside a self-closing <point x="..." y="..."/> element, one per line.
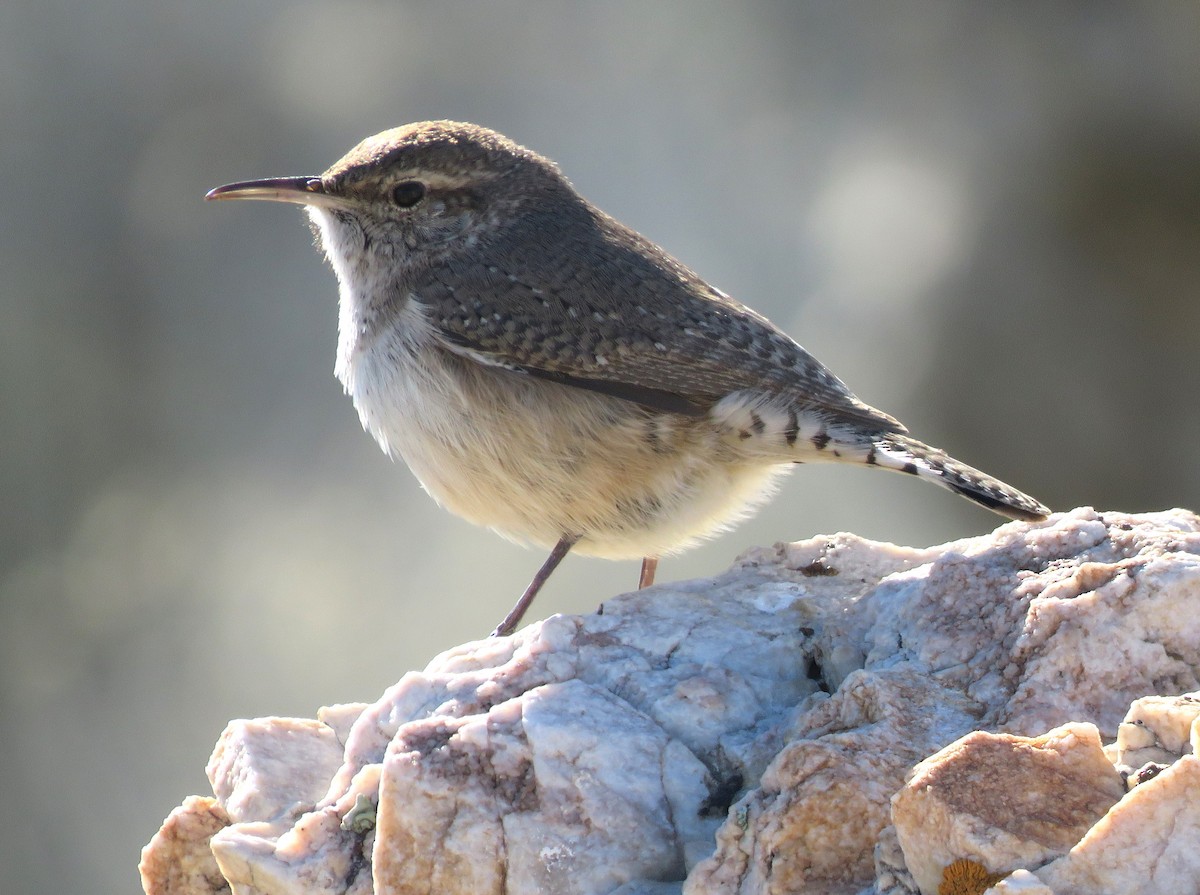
<point x="831" y="716"/>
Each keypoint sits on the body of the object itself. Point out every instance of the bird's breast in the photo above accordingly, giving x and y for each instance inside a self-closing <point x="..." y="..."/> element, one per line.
<point x="535" y="460"/>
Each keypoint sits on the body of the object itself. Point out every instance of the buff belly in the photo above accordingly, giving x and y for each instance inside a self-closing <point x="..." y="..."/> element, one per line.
<point x="536" y="460"/>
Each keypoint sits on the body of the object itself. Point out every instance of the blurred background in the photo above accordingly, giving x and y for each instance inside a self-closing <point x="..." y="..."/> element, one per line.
<point x="984" y="217"/>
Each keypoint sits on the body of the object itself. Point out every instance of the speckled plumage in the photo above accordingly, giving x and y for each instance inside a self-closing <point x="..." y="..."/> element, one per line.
<point x="550" y="373"/>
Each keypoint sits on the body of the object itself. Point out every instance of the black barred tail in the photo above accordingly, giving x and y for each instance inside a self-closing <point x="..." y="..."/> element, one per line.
<point x="905" y="454"/>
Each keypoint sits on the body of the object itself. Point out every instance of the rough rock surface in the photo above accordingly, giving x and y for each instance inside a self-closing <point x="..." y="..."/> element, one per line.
<point x="1020" y="881"/>
<point x="179" y="858"/>
<point x="1156" y="731"/>
<point x="812" y="822"/>
<point x="264" y="769"/>
<point x="1004" y="801"/>
<point x="742" y="734"/>
<point x="1148" y="842"/>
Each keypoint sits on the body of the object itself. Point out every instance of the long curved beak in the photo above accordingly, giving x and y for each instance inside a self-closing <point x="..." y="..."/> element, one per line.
<point x="296" y="190"/>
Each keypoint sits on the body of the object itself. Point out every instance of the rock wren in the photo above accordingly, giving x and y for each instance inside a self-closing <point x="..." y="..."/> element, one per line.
<point x="551" y="374"/>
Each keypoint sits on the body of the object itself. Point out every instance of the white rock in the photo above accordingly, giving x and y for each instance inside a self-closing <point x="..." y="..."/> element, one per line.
<point x="340" y="718"/>
<point x="1148" y="844"/>
<point x="891" y="873"/>
<point x="272" y="767"/>
<point x="600" y="753"/>
<point x="179" y="858"/>
<point x="1003" y="801"/>
<point x="567" y="792"/>
<point x="1022" y="882"/>
<point x="1156" y="730"/>
<point x="812" y="823"/>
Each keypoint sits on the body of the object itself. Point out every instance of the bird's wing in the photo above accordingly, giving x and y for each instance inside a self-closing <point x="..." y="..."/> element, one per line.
<point x="631" y="322"/>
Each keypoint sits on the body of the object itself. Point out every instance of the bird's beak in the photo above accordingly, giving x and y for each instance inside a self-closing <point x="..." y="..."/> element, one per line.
<point x="296" y="190"/>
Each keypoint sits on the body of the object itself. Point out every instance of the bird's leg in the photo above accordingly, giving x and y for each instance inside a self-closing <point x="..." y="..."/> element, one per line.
<point x="564" y="545"/>
<point x="649" y="567"/>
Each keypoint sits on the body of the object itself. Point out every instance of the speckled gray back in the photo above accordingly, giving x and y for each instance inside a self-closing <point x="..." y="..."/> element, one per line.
<point x="570" y="291"/>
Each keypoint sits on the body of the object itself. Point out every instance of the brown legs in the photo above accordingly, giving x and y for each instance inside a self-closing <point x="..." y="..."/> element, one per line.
<point x="561" y="549"/>
<point x="649" y="567"/>
<point x="564" y="545"/>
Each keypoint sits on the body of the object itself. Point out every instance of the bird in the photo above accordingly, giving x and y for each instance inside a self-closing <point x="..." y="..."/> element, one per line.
<point x="551" y="374"/>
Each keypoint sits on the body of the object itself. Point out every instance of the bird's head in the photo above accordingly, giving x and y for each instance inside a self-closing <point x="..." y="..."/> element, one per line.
<point x="418" y="195"/>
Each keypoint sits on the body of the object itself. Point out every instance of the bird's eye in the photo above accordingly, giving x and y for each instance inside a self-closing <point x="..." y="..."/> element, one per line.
<point x="408" y="193"/>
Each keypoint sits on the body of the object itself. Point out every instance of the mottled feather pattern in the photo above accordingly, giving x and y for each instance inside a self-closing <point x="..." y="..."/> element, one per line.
<point x="909" y="455"/>
<point x="639" y="318"/>
<point x="550" y="373"/>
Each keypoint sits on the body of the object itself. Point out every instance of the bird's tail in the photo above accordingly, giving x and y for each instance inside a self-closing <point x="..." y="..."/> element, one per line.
<point x="904" y="454"/>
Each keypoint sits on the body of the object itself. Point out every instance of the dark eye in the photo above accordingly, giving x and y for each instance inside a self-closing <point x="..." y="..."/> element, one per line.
<point x="408" y="193"/>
